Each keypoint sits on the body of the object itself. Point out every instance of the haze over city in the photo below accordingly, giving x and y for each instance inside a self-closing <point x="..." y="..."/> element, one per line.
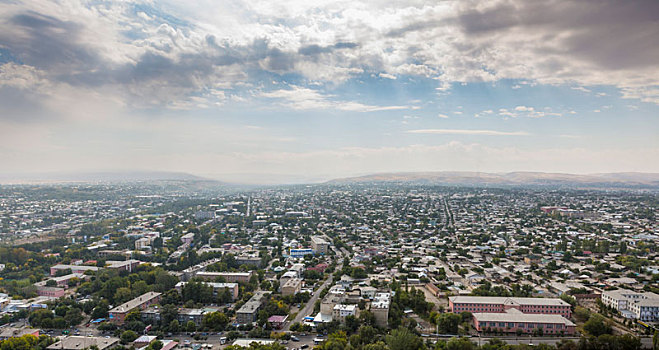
<point x="314" y="90"/>
<point x="329" y="175"/>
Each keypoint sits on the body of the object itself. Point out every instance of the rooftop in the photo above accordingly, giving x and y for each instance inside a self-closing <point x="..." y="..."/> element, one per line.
<point x="79" y="342"/>
<point x="520" y="317"/>
<point x="507" y="300"/>
<point x="131" y="304"/>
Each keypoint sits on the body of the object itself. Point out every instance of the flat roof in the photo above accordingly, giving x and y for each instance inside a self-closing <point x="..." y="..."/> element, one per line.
<point x="292" y="282"/>
<point x="345" y="307"/>
<point x="465" y="299"/>
<point x="246" y="342"/>
<point x="318" y="240"/>
<point x="254" y="303"/>
<point x="76" y="267"/>
<point x="79" y="343"/>
<point x="215" y="285"/>
<point x="131" y="304"/>
<point x="212" y="273"/>
<point x="520" y="317"/>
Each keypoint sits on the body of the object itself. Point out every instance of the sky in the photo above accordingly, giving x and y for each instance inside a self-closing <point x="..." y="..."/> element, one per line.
<point x="313" y="90"/>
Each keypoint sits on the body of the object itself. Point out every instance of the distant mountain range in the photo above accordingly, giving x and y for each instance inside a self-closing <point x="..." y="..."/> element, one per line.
<point x="604" y="180"/>
<point x="640" y="180"/>
<point x="128" y="176"/>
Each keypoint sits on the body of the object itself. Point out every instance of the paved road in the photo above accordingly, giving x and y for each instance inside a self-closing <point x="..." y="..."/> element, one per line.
<point x="645" y="341"/>
<point x="308" y="307"/>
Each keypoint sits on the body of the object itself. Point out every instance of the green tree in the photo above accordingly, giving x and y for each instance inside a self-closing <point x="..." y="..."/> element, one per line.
<point x="122" y="295"/>
<point x="448" y="323"/>
<point x="173" y="326"/>
<point x="379" y="345"/>
<point x="597" y="325"/>
<point x="101" y="309"/>
<point x="216" y="321"/>
<point x="403" y="339"/>
<point x="73" y="317"/>
<point x="128" y="336"/>
<point x="460" y="344"/>
<point x="335" y="341"/>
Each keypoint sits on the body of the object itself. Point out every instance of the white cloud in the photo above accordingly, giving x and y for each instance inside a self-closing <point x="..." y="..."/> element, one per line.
<point x="443" y="116"/>
<point x="523" y="111"/>
<point x="468" y="132"/>
<point x="301" y="98"/>
<point x="330" y="42"/>
<point x="581" y="88"/>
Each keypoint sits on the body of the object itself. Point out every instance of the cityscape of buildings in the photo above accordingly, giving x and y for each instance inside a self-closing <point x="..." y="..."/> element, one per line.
<point x="276" y="265"/>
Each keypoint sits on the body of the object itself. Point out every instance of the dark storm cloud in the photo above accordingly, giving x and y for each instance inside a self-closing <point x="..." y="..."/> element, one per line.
<point x="614" y="34"/>
<point x="55" y="47"/>
<point x="46" y="42"/>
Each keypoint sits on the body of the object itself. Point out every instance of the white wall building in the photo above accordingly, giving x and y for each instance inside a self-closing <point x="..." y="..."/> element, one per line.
<point x="641" y="306"/>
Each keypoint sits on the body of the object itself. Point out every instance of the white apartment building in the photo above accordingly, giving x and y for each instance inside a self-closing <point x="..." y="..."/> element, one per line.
<point x="641" y="306"/>
<point x="341" y="311"/>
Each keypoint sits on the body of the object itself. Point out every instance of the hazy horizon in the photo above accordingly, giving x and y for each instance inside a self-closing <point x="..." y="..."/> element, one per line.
<point x="320" y="90"/>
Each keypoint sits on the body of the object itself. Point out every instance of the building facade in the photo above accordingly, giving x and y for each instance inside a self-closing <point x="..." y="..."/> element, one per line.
<point x="544" y="306"/>
<point x="641" y="306"/>
<point x="118" y="314"/>
<point x="319" y="245"/>
<point x="513" y="321"/>
<point x="249" y="311"/>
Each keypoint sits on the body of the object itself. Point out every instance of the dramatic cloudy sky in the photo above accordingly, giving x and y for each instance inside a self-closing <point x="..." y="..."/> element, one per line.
<point x="318" y="89"/>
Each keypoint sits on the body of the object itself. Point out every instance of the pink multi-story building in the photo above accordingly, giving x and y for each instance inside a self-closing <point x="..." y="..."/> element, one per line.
<point x="53" y="292"/>
<point x="538" y="306"/>
<point x="73" y="268"/>
<point x="513" y="321"/>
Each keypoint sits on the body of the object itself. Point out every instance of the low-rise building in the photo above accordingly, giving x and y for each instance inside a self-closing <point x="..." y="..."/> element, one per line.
<point x="474" y="304"/>
<point x="277" y="321"/>
<point x="74" y="268"/>
<point x="341" y="311"/>
<point x="380" y="309"/>
<point x="79" y="342"/>
<point x="300" y="252"/>
<point x="217" y="288"/>
<point x="187" y="238"/>
<point x="62" y="281"/>
<point x="122" y="265"/>
<point x="513" y="320"/>
<point x="13" y="332"/>
<point x="297" y="269"/>
<point x="248" y="260"/>
<point x="186" y="315"/>
<point x="291" y="287"/>
<point x="319" y="245"/>
<point x="241" y="277"/>
<point x="641" y="306"/>
<point x="51" y="292"/>
<point x="249" y="311"/>
<point x="118" y="314"/>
